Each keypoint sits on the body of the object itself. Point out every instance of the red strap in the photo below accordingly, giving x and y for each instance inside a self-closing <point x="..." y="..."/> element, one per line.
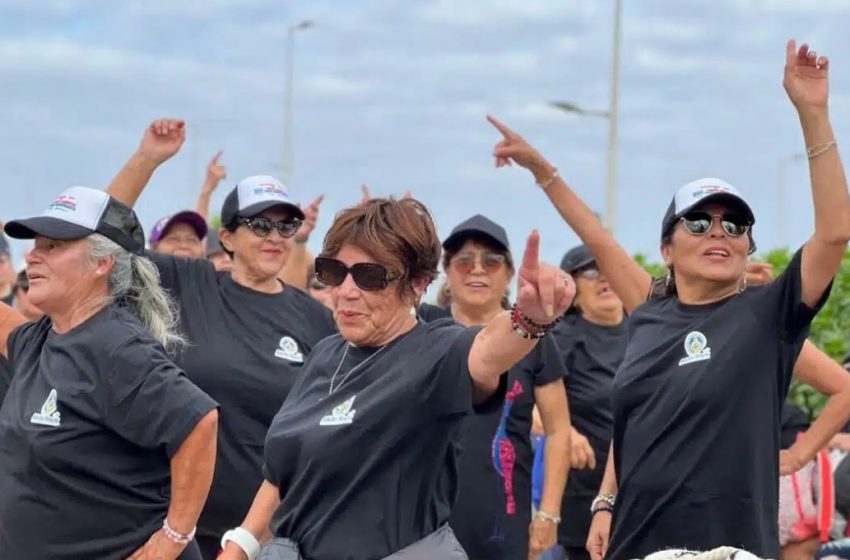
<point x="827" y="495"/>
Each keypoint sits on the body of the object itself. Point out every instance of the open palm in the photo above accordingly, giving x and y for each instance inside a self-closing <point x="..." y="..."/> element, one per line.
<point x="806" y="76"/>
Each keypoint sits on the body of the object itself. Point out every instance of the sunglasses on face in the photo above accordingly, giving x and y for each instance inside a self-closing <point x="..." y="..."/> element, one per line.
<point x="699" y="223"/>
<point x="262" y="227"/>
<point x="590" y="273"/>
<point x="490" y="262"/>
<point x="370" y="277"/>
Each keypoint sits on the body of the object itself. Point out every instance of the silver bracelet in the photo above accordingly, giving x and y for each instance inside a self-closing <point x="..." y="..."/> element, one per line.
<point x="174" y="536"/>
<point x="819" y="149"/>
<point x="547" y="517"/>
<point x="545" y="185"/>
<point x="608" y="499"/>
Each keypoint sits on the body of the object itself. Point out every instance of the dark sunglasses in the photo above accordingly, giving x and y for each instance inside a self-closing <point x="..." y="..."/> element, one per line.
<point x="371" y="277"/>
<point x="589" y="273"/>
<point x="490" y="262"/>
<point x="262" y="227"/>
<point x="699" y="223"/>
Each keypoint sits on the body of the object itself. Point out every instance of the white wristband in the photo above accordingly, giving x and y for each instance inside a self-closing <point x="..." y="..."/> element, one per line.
<point x="244" y="540"/>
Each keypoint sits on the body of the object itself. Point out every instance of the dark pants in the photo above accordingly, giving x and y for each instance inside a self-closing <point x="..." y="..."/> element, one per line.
<point x="209" y="546"/>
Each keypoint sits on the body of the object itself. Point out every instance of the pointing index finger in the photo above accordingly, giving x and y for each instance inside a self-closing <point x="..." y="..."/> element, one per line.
<point x="506" y="132"/>
<point x="217" y="155"/>
<point x="531" y="256"/>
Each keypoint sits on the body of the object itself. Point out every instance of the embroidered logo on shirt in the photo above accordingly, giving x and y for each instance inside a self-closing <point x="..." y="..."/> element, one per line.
<point x="696" y="347"/>
<point x="49" y="415"/>
<point x="288" y="350"/>
<point x="342" y="414"/>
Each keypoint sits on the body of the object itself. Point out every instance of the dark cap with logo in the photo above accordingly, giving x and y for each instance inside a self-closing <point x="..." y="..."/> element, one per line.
<point x="254" y="195"/>
<point x="577" y="258"/>
<point x="700" y="192"/>
<point x="477" y="225"/>
<point x="79" y="212"/>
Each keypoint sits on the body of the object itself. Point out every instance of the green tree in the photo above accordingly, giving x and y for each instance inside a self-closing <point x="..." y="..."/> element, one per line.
<point x="830" y="330"/>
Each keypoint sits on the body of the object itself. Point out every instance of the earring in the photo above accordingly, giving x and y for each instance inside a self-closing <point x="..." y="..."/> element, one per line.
<point x="743" y="285"/>
<point x="668" y="279"/>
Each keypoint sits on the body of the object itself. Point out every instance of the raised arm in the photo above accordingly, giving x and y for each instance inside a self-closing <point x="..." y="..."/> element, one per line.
<point x="807" y="84"/>
<point x="215" y="173"/>
<point x="544" y="294"/>
<point x="827" y="376"/>
<point x="162" y="139"/>
<point x="10" y="319"/>
<point x="627" y="278"/>
<point x="300" y="259"/>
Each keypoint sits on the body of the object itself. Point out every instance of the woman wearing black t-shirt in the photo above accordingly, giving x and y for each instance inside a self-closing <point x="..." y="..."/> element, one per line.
<point x="592" y="341"/>
<point x="698" y="396"/>
<point x="362" y="459"/>
<point x="249" y="333"/>
<point x="106" y="449"/>
<point x="492" y="517"/>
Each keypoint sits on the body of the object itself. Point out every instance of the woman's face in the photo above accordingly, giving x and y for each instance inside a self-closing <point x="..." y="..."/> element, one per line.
<point x="367" y="318"/>
<point x="181" y="240"/>
<point x="715" y="256"/>
<point x="255" y="256"/>
<point x="478" y="276"/>
<point x="61" y="274"/>
<point x="593" y="293"/>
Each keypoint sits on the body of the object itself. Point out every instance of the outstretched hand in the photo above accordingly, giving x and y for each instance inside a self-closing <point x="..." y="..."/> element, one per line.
<point x="215" y="171"/>
<point x="162" y="139"/>
<point x="545" y="292"/>
<point x="806" y="77"/>
<point x="311" y="216"/>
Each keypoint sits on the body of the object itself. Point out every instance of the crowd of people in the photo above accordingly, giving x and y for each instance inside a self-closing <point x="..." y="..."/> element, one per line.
<point x="202" y="393"/>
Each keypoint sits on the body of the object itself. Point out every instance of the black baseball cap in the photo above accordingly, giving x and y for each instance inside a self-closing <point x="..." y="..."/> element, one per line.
<point x="700" y="192"/>
<point x="79" y="212"/>
<point x="478" y="225"/>
<point x="577" y="258"/>
<point x="254" y="195"/>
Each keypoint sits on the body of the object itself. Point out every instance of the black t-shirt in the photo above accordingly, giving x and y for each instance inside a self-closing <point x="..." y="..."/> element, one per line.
<point x="493" y="510"/>
<point x="373" y="467"/>
<point x="246" y="350"/>
<point x="697" y="406"/>
<point x="794" y="422"/>
<point x="87" y="429"/>
<point x="592" y="354"/>
<point x="428" y="312"/>
<point x="5" y="377"/>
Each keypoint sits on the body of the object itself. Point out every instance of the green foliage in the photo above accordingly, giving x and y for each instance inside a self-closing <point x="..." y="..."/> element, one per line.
<point x="215" y="222"/>
<point x="830" y="330"/>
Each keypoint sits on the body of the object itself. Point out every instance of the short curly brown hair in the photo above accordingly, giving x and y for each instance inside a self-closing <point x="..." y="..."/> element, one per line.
<point x="399" y="234"/>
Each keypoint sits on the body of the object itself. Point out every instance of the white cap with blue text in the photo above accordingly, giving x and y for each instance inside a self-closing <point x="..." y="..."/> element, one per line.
<point x="255" y="194"/>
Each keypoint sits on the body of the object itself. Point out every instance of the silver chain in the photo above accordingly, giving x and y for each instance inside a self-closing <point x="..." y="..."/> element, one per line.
<point x="352" y="370"/>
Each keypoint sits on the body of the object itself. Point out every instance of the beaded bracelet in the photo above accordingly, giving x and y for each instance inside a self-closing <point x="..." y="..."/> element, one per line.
<point x="547" y="517"/>
<point x="519" y="323"/>
<point x="549" y="181"/>
<point x="603" y="500"/>
<point x="174" y="536"/>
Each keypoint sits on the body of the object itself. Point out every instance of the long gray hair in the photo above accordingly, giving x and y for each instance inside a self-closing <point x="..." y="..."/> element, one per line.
<point x="135" y="280"/>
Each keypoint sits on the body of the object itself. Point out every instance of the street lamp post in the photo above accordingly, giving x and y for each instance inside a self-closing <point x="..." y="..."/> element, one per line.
<point x="611" y="114"/>
<point x="287" y="102"/>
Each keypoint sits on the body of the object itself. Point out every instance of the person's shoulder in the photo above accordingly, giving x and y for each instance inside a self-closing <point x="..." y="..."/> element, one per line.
<point x="428" y="312"/>
<point x="32" y="332"/>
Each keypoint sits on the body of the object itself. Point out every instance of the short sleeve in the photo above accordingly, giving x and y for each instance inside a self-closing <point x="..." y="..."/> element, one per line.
<point x="5" y="377"/>
<point x="548" y="365"/>
<point x="175" y="273"/>
<point x="783" y="298"/>
<point x="449" y="390"/>
<point x="149" y="401"/>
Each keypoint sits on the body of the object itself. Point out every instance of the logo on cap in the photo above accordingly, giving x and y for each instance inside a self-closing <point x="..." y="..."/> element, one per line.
<point x="270" y="189"/>
<point x="707" y="190"/>
<point x="64" y="203"/>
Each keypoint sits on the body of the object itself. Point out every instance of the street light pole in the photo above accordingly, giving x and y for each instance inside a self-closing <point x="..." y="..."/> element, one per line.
<point x="611" y="179"/>
<point x="287" y="102"/>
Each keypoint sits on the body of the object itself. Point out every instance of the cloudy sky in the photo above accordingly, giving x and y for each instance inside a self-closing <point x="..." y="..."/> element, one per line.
<point x="393" y="93"/>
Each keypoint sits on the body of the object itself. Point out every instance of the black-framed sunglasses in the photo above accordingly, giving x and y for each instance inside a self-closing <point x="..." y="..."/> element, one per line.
<point x="371" y="277"/>
<point x="262" y="226"/>
<point x="699" y="223"/>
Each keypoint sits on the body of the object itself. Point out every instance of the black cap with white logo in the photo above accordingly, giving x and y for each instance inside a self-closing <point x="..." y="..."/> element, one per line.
<point x="254" y="195"/>
<point x="576" y="259"/>
<point x="79" y="212"/>
<point x="478" y="225"/>
<point x="700" y="192"/>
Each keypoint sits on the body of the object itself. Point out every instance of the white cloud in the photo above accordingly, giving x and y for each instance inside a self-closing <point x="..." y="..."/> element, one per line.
<point x="466" y="13"/>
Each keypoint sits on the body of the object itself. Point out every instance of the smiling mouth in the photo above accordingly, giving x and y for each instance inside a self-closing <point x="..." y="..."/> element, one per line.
<point x="477" y="285"/>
